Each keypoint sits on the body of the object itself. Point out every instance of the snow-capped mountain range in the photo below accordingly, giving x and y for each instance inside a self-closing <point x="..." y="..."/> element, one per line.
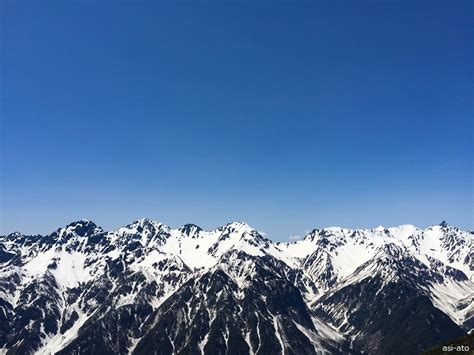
<point x="146" y="288"/>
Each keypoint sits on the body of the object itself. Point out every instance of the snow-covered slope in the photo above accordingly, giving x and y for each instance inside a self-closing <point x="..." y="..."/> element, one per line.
<point x="82" y="288"/>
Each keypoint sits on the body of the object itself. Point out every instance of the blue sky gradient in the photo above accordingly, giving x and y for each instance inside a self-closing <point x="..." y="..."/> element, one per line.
<point x="287" y="116"/>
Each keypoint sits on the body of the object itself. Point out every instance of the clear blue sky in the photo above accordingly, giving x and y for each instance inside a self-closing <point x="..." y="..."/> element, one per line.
<point x="288" y="116"/>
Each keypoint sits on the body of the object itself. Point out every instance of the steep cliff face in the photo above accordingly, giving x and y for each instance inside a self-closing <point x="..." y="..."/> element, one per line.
<point x="147" y="288"/>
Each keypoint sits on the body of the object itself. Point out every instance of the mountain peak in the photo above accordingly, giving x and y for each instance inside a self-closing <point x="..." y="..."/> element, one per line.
<point x="143" y="223"/>
<point x="145" y="226"/>
<point x="81" y="228"/>
<point x="14" y="235"/>
<point x="83" y="221"/>
<point x="197" y="286"/>
<point x="239" y="225"/>
<point x="190" y="229"/>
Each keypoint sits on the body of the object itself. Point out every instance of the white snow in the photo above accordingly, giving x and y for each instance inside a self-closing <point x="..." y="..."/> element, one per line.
<point x="59" y="341"/>
<point x="203" y="251"/>
<point x="69" y="270"/>
<point x="278" y="335"/>
<point x="449" y="295"/>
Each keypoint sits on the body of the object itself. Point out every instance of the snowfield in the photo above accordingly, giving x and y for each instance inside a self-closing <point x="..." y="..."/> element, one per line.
<point x="55" y="289"/>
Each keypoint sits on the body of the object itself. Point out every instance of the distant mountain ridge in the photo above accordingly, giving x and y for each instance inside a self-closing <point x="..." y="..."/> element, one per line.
<point x="147" y="288"/>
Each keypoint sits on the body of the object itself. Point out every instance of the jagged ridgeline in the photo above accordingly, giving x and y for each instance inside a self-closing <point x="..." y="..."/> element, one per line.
<point x="150" y="289"/>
